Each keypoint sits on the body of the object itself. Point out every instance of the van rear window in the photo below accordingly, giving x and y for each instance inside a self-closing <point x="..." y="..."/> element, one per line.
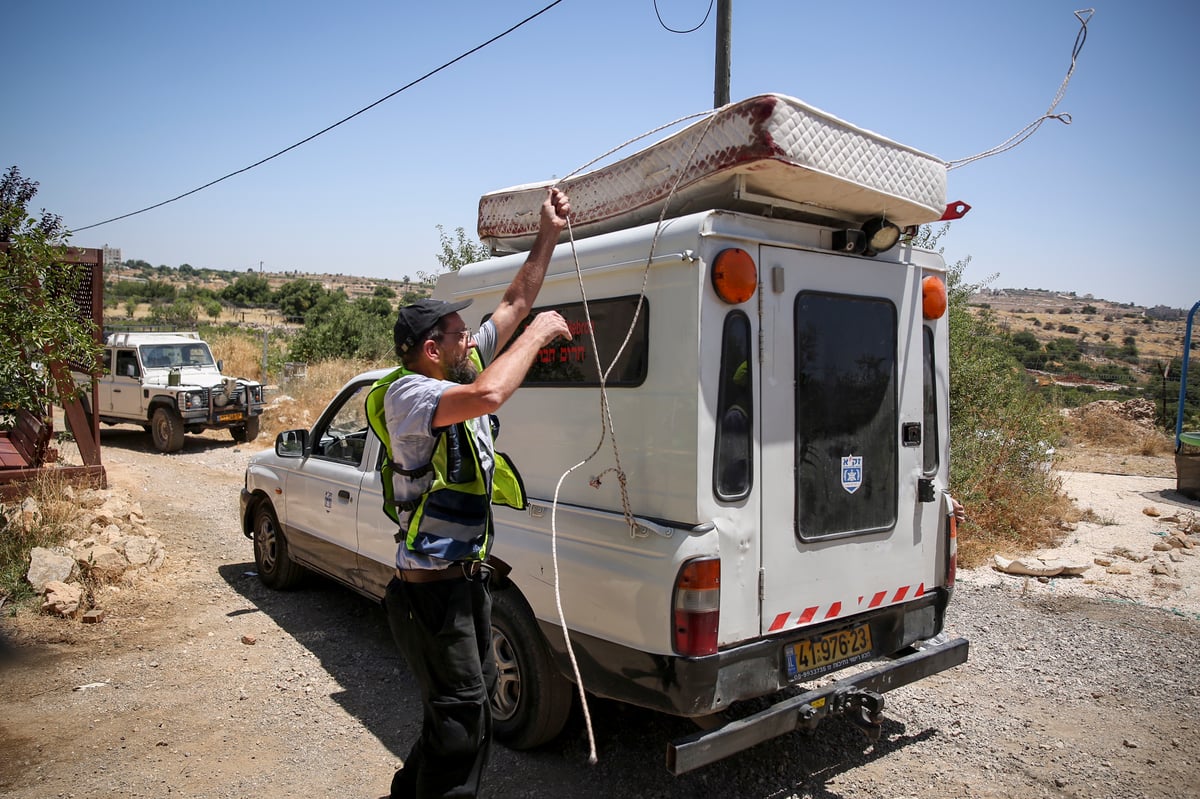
<point x="846" y="440"/>
<point x="733" y="451"/>
<point x="573" y="363"/>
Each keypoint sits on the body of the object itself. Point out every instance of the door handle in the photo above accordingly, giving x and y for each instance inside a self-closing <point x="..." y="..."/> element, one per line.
<point x="344" y="494"/>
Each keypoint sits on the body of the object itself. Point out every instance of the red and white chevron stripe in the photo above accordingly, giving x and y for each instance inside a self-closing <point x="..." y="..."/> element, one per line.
<point x="807" y="616"/>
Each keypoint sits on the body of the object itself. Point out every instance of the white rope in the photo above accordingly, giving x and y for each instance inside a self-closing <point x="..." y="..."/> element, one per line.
<point x="1084" y="16"/>
<point x="606" y="422"/>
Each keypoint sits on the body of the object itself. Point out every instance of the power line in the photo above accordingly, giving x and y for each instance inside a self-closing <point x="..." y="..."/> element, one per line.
<point x="689" y="30"/>
<point x="385" y="98"/>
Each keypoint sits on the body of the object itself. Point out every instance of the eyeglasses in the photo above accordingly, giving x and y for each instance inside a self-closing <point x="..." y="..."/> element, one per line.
<point x="463" y="335"/>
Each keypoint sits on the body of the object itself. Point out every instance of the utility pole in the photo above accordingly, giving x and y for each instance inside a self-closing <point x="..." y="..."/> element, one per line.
<point x="724" y="27"/>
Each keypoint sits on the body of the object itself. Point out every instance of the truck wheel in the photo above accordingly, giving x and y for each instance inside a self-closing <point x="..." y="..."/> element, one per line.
<point x="246" y="432"/>
<point x="275" y="568"/>
<point x="532" y="698"/>
<point x="167" y="430"/>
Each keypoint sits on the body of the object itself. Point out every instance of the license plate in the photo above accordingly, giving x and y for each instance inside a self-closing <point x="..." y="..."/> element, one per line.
<point x="229" y="417"/>
<point x="817" y="656"/>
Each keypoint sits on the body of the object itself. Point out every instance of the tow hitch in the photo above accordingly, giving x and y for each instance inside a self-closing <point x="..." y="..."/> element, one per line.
<point x="863" y="708"/>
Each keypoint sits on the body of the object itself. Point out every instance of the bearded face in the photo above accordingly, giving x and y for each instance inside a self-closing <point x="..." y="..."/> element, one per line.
<point x="461" y="369"/>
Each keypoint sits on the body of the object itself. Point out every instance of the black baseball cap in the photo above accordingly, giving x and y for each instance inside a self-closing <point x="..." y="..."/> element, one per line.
<point x="416" y="320"/>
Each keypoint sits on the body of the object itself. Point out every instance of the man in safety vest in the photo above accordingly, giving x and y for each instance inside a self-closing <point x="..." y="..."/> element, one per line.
<point x="444" y="474"/>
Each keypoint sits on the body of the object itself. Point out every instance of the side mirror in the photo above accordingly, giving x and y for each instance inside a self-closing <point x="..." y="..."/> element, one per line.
<point x="221" y="365"/>
<point x="291" y="443"/>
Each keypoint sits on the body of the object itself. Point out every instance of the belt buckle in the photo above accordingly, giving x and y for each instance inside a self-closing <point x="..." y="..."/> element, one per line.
<point x="473" y="570"/>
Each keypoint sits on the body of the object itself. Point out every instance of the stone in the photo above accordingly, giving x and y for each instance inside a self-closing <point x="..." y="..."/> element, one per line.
<point x="101" y="560"/>
<point x="93" y="616"/>
<point x="1118" y="568"/>
<point x="1037" y="567"/>
<point x="62" y="598"/>
<point x="1163" y="567"/>
<point x="249" y="640"/>
<point x="137" y="550"/>
<point x="48" y="565"/>
<point x="27" y="515"/>
<point x="1150" y="510"/>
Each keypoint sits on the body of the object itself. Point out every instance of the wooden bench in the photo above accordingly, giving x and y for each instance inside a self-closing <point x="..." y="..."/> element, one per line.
<point x="26" y="444"/>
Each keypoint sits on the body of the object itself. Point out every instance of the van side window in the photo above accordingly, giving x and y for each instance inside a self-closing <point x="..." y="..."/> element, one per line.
<point x="846" y="446"/>
<point x="127" y="365"/>
<point x="573" y="363"/>
<point x="930" y="420"/>
<point x="733" y="453"/>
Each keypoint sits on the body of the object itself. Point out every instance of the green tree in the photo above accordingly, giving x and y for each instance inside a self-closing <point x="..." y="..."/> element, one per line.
<point x="387" y="292"/>
<point x="39" y="321"/>
<point x="248" y="289"/>
<point x="345" y="330"/>
<point x="296" y="297"/>
<point x="459" y="251"/>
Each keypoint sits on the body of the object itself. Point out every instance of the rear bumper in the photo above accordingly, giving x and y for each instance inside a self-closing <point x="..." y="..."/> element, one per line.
<point x="807" y="709"/>
<point x="701" y="686"/>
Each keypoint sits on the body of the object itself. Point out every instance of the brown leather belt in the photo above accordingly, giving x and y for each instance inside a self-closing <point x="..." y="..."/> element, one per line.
<point x="455" y="571"/>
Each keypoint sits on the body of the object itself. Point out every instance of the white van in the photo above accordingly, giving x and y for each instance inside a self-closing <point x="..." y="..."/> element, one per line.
<point x="766" y="515"/>
<point x="784" y="450"/>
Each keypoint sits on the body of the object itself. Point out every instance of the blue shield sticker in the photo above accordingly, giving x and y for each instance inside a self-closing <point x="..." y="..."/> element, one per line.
<point x="852" y="473"/>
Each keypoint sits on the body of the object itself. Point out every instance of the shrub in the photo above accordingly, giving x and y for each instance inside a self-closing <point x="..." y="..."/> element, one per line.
<point x="1001" y="432"/>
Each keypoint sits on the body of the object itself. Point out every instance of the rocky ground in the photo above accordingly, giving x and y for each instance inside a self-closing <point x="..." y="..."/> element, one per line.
<point x="201" y="683"/>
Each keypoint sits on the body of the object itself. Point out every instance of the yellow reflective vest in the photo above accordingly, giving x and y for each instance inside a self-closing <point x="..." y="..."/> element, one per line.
<point x="452" y="520"/>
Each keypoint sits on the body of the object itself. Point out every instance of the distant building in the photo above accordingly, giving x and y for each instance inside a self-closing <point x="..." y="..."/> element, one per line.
<point x="112" y="257"/>
<point x="1163" y="312"/>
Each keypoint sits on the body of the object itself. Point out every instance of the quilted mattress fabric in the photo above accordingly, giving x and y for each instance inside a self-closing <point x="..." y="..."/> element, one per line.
<point x="769" y="147"/>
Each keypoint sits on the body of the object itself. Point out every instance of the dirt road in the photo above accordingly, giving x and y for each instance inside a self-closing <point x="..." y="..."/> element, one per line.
<point x="1067" y="693"/>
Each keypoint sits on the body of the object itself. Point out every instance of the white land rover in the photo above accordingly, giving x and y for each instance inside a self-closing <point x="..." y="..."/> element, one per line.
<point x="170" y="384"/>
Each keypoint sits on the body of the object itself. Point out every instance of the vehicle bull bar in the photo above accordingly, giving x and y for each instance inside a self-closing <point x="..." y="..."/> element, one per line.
<point x="858" y="696"/>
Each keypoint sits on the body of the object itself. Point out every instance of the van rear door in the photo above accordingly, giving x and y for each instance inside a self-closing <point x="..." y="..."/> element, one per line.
<point x="841" y="379"/>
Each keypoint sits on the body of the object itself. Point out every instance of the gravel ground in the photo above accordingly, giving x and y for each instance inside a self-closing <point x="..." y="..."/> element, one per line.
<point x="1081" y="688"/>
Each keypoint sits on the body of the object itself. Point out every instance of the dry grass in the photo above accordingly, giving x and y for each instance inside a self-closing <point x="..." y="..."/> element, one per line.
<point x="1016" y="517"/>
<point x="242" y="354"/>
<point x="1098" y="427"/>
<point x="300" y="400"/>
<point x="54" y="524"/>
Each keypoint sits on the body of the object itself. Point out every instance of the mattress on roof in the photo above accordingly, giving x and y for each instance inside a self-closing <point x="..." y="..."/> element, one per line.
<point x="770" y="151"/>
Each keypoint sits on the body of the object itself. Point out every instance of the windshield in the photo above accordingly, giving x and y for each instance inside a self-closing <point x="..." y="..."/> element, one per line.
<point x="166" y="355"/>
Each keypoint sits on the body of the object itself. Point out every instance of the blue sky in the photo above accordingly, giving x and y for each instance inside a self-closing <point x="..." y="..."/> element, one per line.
<point x="115" y="106"/>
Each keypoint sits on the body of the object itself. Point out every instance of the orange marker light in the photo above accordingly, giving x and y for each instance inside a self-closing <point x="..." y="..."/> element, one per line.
<point x="933" y="297"/>
<point x="734" y="276"/>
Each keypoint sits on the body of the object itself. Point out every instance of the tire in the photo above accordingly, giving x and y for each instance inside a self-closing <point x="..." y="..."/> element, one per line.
<point x="532" y="699"/>
<point x="246" y="432"/>
<point x="275" y="567"/>
<point x="166" y="428"/>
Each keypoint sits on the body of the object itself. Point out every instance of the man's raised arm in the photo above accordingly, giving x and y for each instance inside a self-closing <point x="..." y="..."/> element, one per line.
<point x="522" y="292"/>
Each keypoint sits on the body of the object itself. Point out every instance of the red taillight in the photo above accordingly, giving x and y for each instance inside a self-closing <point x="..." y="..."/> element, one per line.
<point x="697" y="604"/>
<point x="952" y="555"/>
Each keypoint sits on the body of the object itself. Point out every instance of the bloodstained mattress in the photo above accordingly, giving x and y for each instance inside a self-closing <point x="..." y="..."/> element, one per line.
<point x="770" y="151"/>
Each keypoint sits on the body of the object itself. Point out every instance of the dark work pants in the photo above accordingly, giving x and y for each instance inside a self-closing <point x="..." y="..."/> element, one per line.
<point x="444" y="630"/>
